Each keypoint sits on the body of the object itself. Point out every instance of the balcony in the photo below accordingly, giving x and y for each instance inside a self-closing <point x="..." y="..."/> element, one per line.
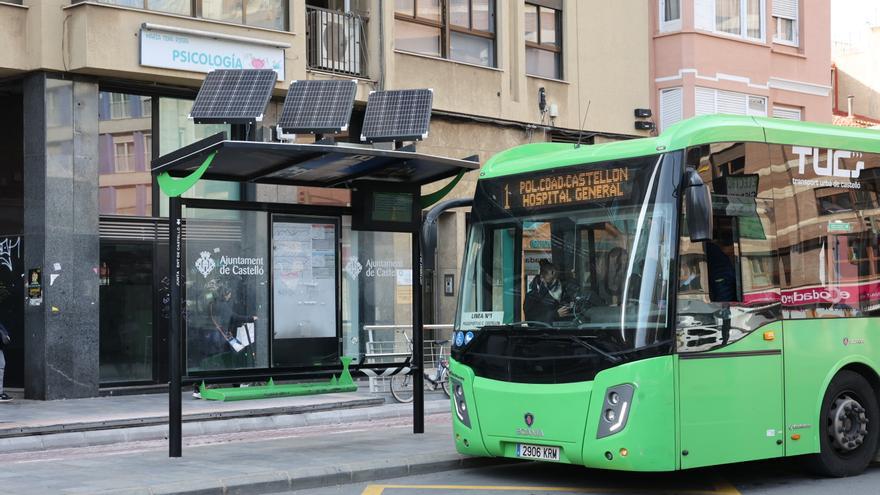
<point x="14" y="56"/>
<point x="336" y="41"/>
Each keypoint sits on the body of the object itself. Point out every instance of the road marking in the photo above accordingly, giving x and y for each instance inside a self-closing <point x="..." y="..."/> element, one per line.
<point x="721" y="488"/>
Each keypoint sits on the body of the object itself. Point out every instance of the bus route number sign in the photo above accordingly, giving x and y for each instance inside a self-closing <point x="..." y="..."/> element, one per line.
<point x="562" y="189"/>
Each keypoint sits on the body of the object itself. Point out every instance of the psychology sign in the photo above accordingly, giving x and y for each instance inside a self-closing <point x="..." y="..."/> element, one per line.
<point x="195" y="53"/>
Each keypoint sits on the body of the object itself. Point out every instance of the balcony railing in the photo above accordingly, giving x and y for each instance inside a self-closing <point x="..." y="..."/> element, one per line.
<point x="336" y="41"/>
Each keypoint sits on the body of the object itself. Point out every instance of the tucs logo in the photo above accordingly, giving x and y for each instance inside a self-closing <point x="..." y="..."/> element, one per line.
<point x="832" y="166"/>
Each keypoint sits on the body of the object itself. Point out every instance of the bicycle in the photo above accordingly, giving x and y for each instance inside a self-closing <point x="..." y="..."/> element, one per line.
<point x="402" y="385"/>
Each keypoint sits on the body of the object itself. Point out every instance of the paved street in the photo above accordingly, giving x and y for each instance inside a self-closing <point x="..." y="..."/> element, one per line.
<point x="366" y="455"/>
<point x="757" y="478"/>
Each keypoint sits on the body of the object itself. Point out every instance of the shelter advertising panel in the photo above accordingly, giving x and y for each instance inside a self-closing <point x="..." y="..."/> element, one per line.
<point x="305" y="290"/>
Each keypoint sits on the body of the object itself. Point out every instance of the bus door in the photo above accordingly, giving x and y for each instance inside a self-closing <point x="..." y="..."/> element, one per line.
<point x="729" y="338"/>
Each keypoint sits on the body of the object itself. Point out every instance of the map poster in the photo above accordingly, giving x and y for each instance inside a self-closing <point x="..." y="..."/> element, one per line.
<point x="304" y="278"/>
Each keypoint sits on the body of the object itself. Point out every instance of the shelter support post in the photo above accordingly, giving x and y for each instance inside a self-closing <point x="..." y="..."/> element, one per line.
<point x="417" y="337"/>
<point x="175" y="440"/>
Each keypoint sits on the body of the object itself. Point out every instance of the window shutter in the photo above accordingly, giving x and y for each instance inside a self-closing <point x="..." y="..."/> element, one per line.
<point x="705" y="101"/>
<point x="731" y="103"/>
<point x="670" y="107"/>
<point x="704" y="14"/>
<point x="787" y="113"/>
<point x="785" y="8"/>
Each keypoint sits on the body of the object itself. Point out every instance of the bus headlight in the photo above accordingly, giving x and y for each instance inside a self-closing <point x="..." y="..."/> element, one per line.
<point x="461" y="409"/>
<point x="615" y="409"/>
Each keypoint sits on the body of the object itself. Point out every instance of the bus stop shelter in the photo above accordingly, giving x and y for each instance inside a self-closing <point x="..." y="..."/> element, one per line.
<point x="385" y="187"/>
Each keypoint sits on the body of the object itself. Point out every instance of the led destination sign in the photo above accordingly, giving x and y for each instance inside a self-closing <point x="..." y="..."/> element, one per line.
<point x="566" y="189"/>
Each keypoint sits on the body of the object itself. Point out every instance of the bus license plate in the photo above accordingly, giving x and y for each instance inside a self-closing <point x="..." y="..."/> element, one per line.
<point x="541" y="452"/>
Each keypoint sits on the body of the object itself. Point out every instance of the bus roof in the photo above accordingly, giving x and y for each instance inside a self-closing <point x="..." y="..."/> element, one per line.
<point x="691" y="132"/>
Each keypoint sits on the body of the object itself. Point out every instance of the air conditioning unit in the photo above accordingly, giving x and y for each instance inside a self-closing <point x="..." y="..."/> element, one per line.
<point x="336" y="41"/>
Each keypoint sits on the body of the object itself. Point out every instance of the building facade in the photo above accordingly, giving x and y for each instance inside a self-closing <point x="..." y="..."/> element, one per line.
<point x="93" y="90"/>
<point x="744" y="57"/>
<point x="857" y="79"/>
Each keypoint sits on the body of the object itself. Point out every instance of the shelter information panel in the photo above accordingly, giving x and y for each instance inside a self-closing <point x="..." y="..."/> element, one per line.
<point x="304" y="278"/>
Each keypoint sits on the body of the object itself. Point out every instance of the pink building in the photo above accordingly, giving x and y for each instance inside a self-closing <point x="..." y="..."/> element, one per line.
<point x="746" y="57"/>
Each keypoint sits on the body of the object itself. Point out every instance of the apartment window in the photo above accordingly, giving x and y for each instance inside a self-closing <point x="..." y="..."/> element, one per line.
<point x="146" y="106"/>
<point x="543" y="34"/>
<point x="670" y="15"/>
<point x="742" y="18"/>
<point x="124" y="154"/>
<point x="261" y="13"/>
<point x="791" y="113"/>
<point x="785" y="15"/>
<point x="270" y="14"/>
<point x="670" y="107"/>
<point x="119" y="107"/>
<point x="711" y="101"/>
<point x="183" y="7"/>
<point x="461" y="30"/>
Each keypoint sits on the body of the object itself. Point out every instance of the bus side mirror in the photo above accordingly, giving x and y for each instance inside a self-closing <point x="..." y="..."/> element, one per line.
<point x="698" y="202"/>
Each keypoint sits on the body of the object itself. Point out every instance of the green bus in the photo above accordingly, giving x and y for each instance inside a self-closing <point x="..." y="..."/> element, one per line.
<point x="702" y="297"/>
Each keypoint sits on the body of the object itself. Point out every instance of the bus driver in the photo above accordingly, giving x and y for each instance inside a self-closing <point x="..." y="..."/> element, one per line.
<point x="547" y="299"/>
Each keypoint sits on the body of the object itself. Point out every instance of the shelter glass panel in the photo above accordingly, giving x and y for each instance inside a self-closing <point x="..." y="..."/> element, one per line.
<point x="227" y="290"/>
<point x="376" y="295"/>
<point x="176" y="130"/>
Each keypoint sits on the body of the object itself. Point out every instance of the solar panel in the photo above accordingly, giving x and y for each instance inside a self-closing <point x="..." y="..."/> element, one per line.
<point x="317" y="106"/>
<point x="235" y="96"/>
<point x="399" y="115"/>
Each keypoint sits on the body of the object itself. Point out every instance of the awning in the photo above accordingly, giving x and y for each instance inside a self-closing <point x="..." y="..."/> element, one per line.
<point x="317" y="165"/>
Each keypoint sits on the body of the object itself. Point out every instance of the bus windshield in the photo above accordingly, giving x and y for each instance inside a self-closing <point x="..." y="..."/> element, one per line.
<point x="573" y="262"/>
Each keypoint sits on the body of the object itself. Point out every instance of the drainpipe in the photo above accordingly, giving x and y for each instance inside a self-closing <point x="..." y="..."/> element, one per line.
<point x="381" y="45"/>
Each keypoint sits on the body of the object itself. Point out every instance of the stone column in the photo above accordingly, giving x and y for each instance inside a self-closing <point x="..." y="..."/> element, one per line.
<point x="61" y="236"/>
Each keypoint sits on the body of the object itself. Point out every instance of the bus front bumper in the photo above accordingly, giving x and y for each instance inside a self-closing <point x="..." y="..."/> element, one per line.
<point x="570" y="422"/>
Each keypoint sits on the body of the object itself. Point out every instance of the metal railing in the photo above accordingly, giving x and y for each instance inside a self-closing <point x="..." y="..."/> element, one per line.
<point x="336" y="41"/>
<point x="393" y="344"/>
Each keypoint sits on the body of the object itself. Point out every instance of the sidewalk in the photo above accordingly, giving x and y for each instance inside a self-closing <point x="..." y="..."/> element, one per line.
<point x="310" y="457"/>
<point x="118" y="445"/>
<point x="27" y="425"/>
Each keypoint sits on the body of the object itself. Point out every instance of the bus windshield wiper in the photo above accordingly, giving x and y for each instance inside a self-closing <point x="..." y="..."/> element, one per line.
<point x="528" y="322"/>
<point x="580" y="341"/>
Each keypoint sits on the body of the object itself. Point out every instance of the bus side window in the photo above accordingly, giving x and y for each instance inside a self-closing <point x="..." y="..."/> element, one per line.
<point x="729" y="285"/>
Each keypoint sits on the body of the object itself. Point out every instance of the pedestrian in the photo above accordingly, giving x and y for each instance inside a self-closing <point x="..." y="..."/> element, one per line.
<point x="5" y="338"/>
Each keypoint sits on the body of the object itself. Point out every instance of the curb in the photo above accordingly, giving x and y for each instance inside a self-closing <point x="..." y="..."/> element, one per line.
<point x="283" y="481"/>
<point x="211" y="425"/>
<point x="187" y="418"/>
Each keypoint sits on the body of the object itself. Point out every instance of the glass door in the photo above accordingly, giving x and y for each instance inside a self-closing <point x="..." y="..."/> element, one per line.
<point x="126" y="315"/>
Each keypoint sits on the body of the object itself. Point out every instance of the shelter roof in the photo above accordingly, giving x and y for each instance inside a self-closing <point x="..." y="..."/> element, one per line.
<point x="313" y="164"/>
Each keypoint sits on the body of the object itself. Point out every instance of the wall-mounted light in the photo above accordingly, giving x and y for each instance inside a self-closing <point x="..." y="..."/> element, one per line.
<point x="644" y="125"/>
<point x="642" y="113"/>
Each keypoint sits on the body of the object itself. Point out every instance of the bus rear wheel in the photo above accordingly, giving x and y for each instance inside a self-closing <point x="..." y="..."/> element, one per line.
<point x="849" y="427"/>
